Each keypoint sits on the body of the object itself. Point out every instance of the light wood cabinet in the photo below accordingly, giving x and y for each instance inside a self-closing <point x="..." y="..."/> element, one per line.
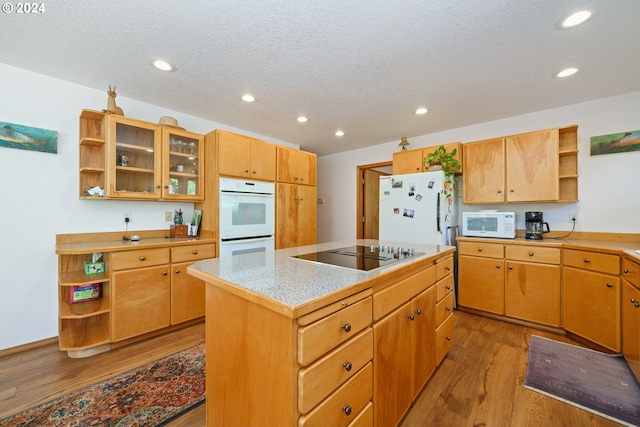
<point x="481" y="276"/>
<point x="532" y="288"/>
<point x="444" y="307"/>
<point x="412" y="161"/>
<point x="631" y="314"/>
<point x="296" y="166"/>
<point x="518" y="281"/>
<point x="137" y="160"/>
<point x="404" y="343"/>
<point x="143" y="289"/>
<point x="591" y="299"/>
<point x="295" y="215"/>
<point x="531" y="167"/>
<point x="245" y="157"/>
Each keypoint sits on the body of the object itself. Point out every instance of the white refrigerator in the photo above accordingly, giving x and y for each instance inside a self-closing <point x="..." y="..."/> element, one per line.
<point x="418" y="208"/>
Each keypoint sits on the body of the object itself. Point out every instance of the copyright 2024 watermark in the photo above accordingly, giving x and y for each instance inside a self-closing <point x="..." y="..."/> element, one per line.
<point x="24" y="8"/>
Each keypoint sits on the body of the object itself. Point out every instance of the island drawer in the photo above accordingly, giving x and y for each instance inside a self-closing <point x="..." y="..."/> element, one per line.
<point x="390" y="298"/>
<point x="537" y="254"/>
<point x="443" y="287"/>
<point x="631" y="272"/>
<point x="592" y="261"/>
<point x="444" y="267"/>
<point x="319" y="337"/>
<point x="193" y="252"/>
<point x="488" y="250"/>
<point x="444" y="308"/>
<point x="341" y="407"/>
<point x="320" y="379"/>
<point x="444" y="338"/>
<point x="140" y="258"/>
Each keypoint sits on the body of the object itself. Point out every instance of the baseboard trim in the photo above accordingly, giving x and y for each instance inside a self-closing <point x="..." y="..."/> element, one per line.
<point x="28" y="346"/>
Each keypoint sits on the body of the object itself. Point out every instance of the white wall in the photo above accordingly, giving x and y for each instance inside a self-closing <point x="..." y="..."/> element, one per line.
<point x="39" y="196"/>
<point x="608" y="185"/>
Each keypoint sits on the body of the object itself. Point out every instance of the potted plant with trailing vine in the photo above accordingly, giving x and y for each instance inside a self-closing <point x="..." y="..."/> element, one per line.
<point x="439" y="159"/>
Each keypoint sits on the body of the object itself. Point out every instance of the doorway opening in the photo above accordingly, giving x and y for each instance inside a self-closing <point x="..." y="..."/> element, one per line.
<point x="367" y="198"/>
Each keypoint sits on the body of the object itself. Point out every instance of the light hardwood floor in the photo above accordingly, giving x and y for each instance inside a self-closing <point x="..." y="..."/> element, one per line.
<point x="480" y="382"/>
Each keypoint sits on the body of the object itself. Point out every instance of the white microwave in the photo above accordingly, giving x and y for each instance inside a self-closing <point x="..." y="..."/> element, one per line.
<point x="489" y="224"/>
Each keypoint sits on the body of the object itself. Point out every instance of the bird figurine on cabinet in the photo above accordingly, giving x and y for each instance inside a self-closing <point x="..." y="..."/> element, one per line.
<point x="112" y="108"/>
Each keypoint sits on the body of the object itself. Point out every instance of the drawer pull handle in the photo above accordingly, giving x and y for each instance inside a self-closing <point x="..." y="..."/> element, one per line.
<point x="447" y="308"/>
<point x="479" y="249"/>
<point x="195" y="252"/>
<point x="511" y="267"/>
<point x="626" y="271"/>
<point x="448" y="287"/>
<point x="448" y="338"/>
<point x="586" y="260"/>
<point x="347" y="366"/>
<point x="347" y="409"/>
<point x="412" y="317"/>
<point x="418" y="312"/>
<point x="498" y="266"/>
<point x="448" y="267"/>
<point x="164" y="273"/>
<point x="609" y="285"/>
<point x="530" y="253"/>
<point x="178" y="271"/>
<point x="347" y="327"/>
<point x="142" y="258"/>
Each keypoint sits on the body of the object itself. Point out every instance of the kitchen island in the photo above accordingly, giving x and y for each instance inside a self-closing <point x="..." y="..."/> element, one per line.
<point x="296" y="342"/>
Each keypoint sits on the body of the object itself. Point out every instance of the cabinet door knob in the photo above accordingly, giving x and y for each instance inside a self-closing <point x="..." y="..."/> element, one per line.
<point x="347" y="366"/>
<point x="142" y="258"/>
<point x="609" y="285"/>
<point x="530" y="253"/>
<point x="254" y="172"/>
<point x="448" y="287"/>
<point x="586" y="260"/>
<point x="347" y="327"/>
<point x="166" y="186"/>
<point x="511" y="190"/>
<point x="447" y="268"/>
<point x="510" y="267"/>
<point x="498" y="266"/>
<point x="412" y="317"/>
<point x="246" y="171"/>
<point x="626" y="271"/>
<point x="479" y="249"/>
<point x="448" y="338"/>
<point x="447" y="308"/>
<point x="164" y="273"/>
<point x="499" y="191"/>
<point x="177" y="271"/>
<point x="633" y="300"/>
<point x="347" y="409"/>
<point x="418" y="312"/>
<point x="158" y="186"/>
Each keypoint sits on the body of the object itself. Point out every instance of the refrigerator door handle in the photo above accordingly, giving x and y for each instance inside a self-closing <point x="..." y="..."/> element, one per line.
<point x="438" y="214"/>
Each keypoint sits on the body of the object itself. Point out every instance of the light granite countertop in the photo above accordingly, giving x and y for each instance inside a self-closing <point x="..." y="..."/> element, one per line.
<point x="293" y="282"/>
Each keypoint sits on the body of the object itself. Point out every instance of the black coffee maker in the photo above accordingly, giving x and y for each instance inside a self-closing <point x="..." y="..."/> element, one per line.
<point x="534" y="226"/>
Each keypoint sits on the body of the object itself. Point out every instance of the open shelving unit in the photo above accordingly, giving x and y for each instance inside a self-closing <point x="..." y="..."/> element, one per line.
<point x="568" y="164"/>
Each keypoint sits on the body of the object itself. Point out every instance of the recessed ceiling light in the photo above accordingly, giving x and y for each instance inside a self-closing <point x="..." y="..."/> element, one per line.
<point x="302" y="119"/>
<point x="421" y="111"/>
<point x="567" y="72"/>
<point x="162" y="65"/>
<point x="248" y="98"/>
<point x="339" y="133"/>
<point x="574" y="19"/>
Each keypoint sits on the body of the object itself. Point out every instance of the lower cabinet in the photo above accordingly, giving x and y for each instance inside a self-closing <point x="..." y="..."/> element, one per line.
<point x="142" y="290"/>
<point x="481" y="276"/>
<point x="592" y="297"/>
<point x="404" y="344"/>
<point x="631" y="326"/>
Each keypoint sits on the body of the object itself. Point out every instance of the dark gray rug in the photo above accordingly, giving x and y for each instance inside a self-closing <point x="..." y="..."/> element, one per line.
<point x="591" y="380"/>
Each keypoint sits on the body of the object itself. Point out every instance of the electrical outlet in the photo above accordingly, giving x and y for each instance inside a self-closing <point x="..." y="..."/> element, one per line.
<point x="167" y="216"/>
<point x="126" y="216"/>
<point x="573" y="216"/>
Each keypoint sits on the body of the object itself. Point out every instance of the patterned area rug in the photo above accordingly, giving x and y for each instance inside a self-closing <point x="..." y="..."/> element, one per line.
<point x="151" y="395"/>
<point x="594" y="381"/>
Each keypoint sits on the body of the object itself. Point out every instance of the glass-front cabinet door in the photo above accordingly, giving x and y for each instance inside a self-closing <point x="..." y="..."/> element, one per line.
<point x="182" y="165"/>
<point x="135" y="157"/>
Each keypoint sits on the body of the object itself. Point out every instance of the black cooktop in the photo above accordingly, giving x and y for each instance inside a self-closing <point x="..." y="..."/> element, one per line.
<point x="360" y="257"/>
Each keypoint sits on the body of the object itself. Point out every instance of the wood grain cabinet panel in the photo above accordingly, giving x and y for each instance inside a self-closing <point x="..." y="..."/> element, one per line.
<point x="532" y="292"/>
<point x="481" y="283"/>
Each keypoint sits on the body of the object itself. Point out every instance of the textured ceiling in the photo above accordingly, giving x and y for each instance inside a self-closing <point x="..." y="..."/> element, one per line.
<point x="360" y="66"/>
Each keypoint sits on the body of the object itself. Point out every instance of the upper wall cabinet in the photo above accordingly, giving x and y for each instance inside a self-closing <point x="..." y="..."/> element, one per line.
<point x="412" y="161"/>
<point x="531" y="167"/>
<point x="136" y="160"/>
<point x="296" y="166"/>
<point x="245" y="157"/>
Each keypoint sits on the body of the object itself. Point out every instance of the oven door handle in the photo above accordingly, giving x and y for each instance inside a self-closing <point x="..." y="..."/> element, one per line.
<point x="245" y="194"/>
<point x="245" y="240"/>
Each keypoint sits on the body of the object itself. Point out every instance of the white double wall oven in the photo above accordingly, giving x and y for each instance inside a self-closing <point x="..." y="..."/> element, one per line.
<point x="247" y="216"/>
